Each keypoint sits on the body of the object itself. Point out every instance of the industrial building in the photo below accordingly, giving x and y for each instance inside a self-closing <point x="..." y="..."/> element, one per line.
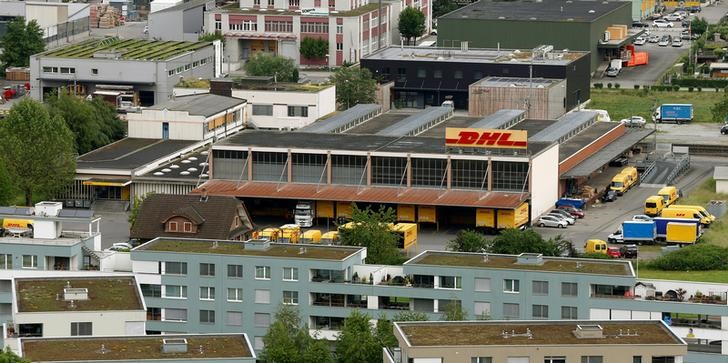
<point x="428" y="76"/>
<point x="573" y="25"/>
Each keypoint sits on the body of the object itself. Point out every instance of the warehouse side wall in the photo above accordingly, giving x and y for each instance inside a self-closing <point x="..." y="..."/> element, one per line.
<point x="544" y="193"/>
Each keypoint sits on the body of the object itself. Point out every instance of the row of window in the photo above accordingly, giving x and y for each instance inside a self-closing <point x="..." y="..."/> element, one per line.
<point x="232" y="318"/>
<point x="513" y="311"/>
<point x="247" y="25"/>
<point x="61" y="70"/>
<point x="6" y="261"/>
<point x="292" y="111"/>
<point x="314" y="27"/>
<point x="538" y="287"/>
<point x="291" y="3"/>
<point x="234" y="294"/>
<point x="188" y="66"/>
<point x="234" y="271"/>
<point x="584" y="359"/>
<point x="278" y="26"/>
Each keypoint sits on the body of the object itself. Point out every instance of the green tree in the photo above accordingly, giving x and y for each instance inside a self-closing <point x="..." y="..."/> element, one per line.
<point x="720" y="110"/>
<point x="211" y="37"/>
<point x="93" y="123"/>
<point x="515" y="241"/>
<point x="442" y="7"/>
<point x="384" y="332"/>
<point x="21" y="40"/>
<point x="264" y="64"/>
<point x="288" y="341"/>
<point x="36" y="149"/>
<point x="8" y="356"/>
<point x="698" y="25"/>
<point x="7" y="189"/>
<point x="313" y="48"/>
<point x="454" y="311"/>
<point x="136" y="206"/>
<point x="410" y="316"/>
<point x="411" y="23"/>
<point x="468" y="241"/>
<point x="354" y="86"/>
<point x="370" y="229"/>
<point x="356" y="342"/>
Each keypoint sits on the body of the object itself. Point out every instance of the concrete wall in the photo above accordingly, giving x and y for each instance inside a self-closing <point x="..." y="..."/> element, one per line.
<point x="319" y="104"/>
<point x="166" y="25"/>
<point x="182" y="126"/>
<point x="58" y="324"/>
<point x="721" y="186"/>
<point x="544" y="181"/>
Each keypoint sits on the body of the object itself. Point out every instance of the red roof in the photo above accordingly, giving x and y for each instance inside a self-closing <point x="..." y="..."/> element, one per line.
<point x="346" y="193"/>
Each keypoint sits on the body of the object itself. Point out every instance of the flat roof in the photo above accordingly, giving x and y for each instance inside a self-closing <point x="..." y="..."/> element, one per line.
<point x="412" y="123"/>
<point x="365" y="194"/>
<point x="553" y="264"/>
<point x="455" y="121"/>
<point x="532" y="126"/>
<point x="285" y="250"/>
<point x="206" y="104"/>
<point x="139" y="348"/>
<point x="65" y="214"/>
<point x="547" y="10"/>
<point x="104" y="293"/>
<point x="111" y="48"/>
<point x="515" y="82"/>
<point x="379" y="123"/>
<point x="61" y="241"/>
<point x="345" y="118"/>
<point x="181" y="169"/>
<point x="347" y="142"/>
<point x="584" y="138"/>
<point x="607" y="153"/>
<point x="565" y="125"/>
<point x="130" y="153"/>
<point x="473" y="55"/>
<point x="542" y="332"/>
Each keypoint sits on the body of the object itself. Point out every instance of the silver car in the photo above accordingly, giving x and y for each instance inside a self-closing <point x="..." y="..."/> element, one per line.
<point x="551" y="221"/>
<point x="564" y="215"/>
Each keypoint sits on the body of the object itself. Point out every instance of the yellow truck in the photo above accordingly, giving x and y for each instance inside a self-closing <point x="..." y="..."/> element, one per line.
<point x="271" y="234"/>
<point x="407" y="235"/>
<point x="311" y="236"/>
<point x="654" y="205"/>
<point x="669" y="195"/>
<point x="330" y="238"/>
<point x="682" y="233"/>
<point x="502" y="218"/>
<point x="625" y="180"/>
<point x="685" y="213"/>
<point x="595" y="246"/>
<point x="290" y="233"/>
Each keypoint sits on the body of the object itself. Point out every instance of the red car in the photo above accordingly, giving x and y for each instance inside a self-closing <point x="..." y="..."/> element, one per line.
<point x="574" y="211"/>
<point x="614" y="252"/>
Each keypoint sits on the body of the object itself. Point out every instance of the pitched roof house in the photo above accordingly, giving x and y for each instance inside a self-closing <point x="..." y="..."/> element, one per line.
<point x="192" y="216"/>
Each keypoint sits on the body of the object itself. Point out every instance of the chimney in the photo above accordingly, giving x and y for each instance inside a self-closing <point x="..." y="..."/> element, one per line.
<point x="221" y="87"/>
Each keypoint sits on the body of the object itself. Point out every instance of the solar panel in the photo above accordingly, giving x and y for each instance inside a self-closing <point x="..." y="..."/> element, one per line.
<point x="418" y="123"/>
<point x="76" y="213"/>
<point x="21" y="211"/>
<point x="345" y="120"/>
<point x="501" y="119"/>
<point x="565" y="126"/>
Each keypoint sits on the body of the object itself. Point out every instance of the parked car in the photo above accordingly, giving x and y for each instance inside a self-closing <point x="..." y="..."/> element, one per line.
<point x="662" y="23"/>
<point x="640" y="41"/>
<point x="574" y="211"/>
<point x="677" y="42"/>
<point x="620" y="161"/>
<point x="551" y="221"/>
<point x="665" y="40"/>
<point x="609" y="196"/>
<point x="616" y="237"/>
<point x="724" y="129"/>
<point x="654" y="38"/>
<point x="639" y="24"/>
<point x="433" y="32"/>
<point x="695" y="9"/>
<point x="634" y="121"/>
<point x="563" y="214"/>
<point x="121" y="247"/>
<point x="614" y="252"/>
<point x="642" y="217"/>
<point x="629" y="251"/>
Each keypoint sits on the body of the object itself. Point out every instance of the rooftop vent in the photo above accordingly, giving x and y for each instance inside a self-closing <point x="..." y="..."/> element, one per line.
<point x="530" y="259"/>
<point x="176" y="345"/>
<point x="48" y="209"/>
<point x="75" y="293"/>
<point x="591" y="331"/>
<point x="257" y="244"/>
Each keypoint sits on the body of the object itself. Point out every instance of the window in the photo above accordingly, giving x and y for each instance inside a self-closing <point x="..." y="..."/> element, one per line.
<point x="6" y="261"/>
<point x="262" y="110"/>
<point x="314" y="27"/>
<point x="207" y="316"/>
<point x="170" y="72"/>
<point x="569" y="289"/>
<point x="482" y="284"/>
<point x="637" y="359"/>
<point x="256" y="2"/>
<point x="297" y="111"/>
<point x="154" y="314"/>
<point x="569" y="312"/>
<point x="175" y="291"/>
<point x="179" y="69"/>
<point x="30" y="261"/>
<point x="661" y="360"/>
<point x="207" y="269"/>
<point x="203" y="61"/>
<point x="554" y="359"/>
<point x="175" y="268"/>
<point x="481" y="360"/>
<point x="339" y="46"/>
<point x="94" y="71"/>
<point x="234" y="294"/>
<point x="290" y="297"/>
<point x="458" y="75"/>
<point x="290" y="274"/>
<point x="279" y="26"/>
<point x="234" y="318"/>
<point x="477" y="75"/>
<point x="188" y="227"/>
<point x="195" y="64"/>
<point x="294" y="3"/>
<point x="84" y="328"/>
<point x="258" y="344"/>
<point x="510" y="285"/>
<point x="151" y="290"/>
<point x="175" y="314"/>
<point x="482" y="310"/>
<point x="540" y="311"/>
<point x="437" y="73"/>
<point x="421" y="73"/>
<point x="261" y="320"/>
<point x="235" y="271"/>
<point x="540" y="287"/>
<point x="218" y="25"/>
<point x="50" y="69"/>
<point x="171" y="226"/>
<point x="271" y="3"/>
<point x="262" y="296"/>
<point x="68" y="70"/>
<point x="207" y="293"/>
<point x="262" y="272"/>
<point x="451" y="282"/>
<point x="511" y="311"/>
<point x="339" y="29"/>
<point x="592" y="359"/>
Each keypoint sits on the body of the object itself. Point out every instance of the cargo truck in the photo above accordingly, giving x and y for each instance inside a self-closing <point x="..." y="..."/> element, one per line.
<point x="305" y="214"/>
<point x="638" y="232"/>
<point x="661" y="224"/>
<point x="659" y="229"/>
<point x="704" y="212"/>
<point x="682" y="233"/>
<point x="497" y="219"/>
<point x="673" y="112"/>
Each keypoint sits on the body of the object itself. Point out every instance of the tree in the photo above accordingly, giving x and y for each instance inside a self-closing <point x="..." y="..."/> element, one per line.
<point x="720" y="110"/>
<point x="20" y="41"/>
<point x="698" y="26"/>
<point x="410" y="316"/>
<point x="7" y="189"/>
<point x="454" y="311"/>
<point x="468" y="241"/>
<point x="136" y="206"/>
<point x="354" y="86"/>
<point x="264" y="64"/>
<point x="411" y="23"/>
<point x="37" y="149"/>
<point x="313" y="48"/>
<point x="211" y="37"/>
<point x="384" y="332"/>
<point x="370" y="229"/>
<point x="356" y="342"/>
<point x="442" y="7"/>
<point x="515" y="241"/>
<point x="288" y="341"/>
<point x="7" y="356"/>
<point x="93" y="123"/>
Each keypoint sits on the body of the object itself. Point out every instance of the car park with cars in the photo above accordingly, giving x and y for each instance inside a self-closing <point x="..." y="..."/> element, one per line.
<point x="576" y="212"/>
<point x="564" y="215"/>
<point x="662" y="23"/>
<point x="665" y="40"/>
<point x="677" y="42"/>
<point x="551" y="221"/>
<point x="609" y="196"/>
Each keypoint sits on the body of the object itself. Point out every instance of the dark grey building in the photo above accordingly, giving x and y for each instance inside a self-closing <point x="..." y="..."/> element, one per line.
<point x="428" y="76"/>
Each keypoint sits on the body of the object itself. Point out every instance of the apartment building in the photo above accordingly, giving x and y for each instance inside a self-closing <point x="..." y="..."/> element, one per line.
<point x="352" y="28"/>
<point x="586" y="341"/>
<point x="200" y="286"/>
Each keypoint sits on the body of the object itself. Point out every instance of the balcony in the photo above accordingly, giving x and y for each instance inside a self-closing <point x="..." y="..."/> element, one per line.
<point x="338" y="300"/>
<point x="611" y="292"/>
<point x="332" y="276"/>
<point x="394" y="303"/>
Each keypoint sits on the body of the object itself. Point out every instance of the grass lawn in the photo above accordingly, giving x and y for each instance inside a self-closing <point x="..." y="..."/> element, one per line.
<point x="627" y="102"/>
<point x="718" y="276"/>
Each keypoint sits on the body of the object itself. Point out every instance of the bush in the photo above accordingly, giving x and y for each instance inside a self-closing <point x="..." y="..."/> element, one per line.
<point x="675" y="88"/>
<point x="700" y="89"/>
<point x="312" y="48"/>
<point x="595" y="255"/>
<point x="698" y="257"/>
<point x="690" y="89"/>
<point x="616" y="86"/>
<point x="598" y="85"/>
<point x="636" y="86"/>
<point x="704" y="83"/>
<point x="609" y="85"/>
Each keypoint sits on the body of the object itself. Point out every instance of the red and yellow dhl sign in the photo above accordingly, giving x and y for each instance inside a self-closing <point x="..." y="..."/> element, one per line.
<point x="486" y="138"/>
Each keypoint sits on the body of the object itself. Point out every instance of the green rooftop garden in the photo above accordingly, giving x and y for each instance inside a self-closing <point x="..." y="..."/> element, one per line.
<point x="128" y="49"/>
<point x="40" y="295"/>
<point x="238" y="248"/>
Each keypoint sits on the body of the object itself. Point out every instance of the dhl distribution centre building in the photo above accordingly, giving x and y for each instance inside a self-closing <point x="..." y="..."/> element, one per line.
<point x="432" y="167"/>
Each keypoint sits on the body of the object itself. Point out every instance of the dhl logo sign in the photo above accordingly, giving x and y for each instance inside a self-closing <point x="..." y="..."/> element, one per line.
<point x="486" y="138"/>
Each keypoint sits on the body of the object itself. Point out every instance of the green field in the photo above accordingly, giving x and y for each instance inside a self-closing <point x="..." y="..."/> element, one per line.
<point x="627" y="102"/>
<point x="717" y="233"/>
<point x="719" y="276"/>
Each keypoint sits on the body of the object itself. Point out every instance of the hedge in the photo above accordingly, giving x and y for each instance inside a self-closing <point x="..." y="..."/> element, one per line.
<point x="701" y="83"/>
<point x="698" y="257"/>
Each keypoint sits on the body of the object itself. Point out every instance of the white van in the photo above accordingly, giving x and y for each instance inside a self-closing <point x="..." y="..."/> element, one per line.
<point x="602" y="115"/>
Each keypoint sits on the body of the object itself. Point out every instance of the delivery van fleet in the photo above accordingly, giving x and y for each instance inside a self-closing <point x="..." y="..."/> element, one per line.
<point x="625" y="180"/>
<point x="704" y="212"/>
<point x="654" y="205"/>
<point x="685" y="213"/>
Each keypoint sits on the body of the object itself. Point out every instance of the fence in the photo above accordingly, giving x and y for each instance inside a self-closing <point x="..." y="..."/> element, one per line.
<point x="62" y="33"/>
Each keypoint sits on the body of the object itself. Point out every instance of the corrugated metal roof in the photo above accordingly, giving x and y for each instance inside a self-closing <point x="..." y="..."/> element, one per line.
<point x="411" y="124"/>
<point x="566" y="124"/>
<point x="346" y="193"/>
<point x="501" y="119"/>
<point x="203" y="105"/>
<point x="355" y="113"/>
<point x="606" y="154"/>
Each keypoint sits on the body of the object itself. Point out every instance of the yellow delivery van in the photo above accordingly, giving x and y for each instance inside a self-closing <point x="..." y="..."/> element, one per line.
<point x="654" y="205"/>
<point x="669" y="195"/>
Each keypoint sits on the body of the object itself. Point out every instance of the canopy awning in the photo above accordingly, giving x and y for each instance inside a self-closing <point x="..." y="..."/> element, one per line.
<point x="106" y="183"/>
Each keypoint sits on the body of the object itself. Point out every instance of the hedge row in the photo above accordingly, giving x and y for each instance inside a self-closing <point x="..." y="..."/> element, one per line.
<point x="703" y="83"/>
<point x="698" y="257"/>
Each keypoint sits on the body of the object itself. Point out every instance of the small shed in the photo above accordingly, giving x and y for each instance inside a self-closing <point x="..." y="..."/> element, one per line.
<point x="718" y="70"/>
<point x="720" y="174"/>
<point x="644" y="289"/>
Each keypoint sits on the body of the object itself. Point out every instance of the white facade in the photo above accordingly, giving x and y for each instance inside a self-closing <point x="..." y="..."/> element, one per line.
<point x="544" y="181"/>
<point x="58" y="324"/>
<point x="182" y="125"/>
<point x="720" y="174"/>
